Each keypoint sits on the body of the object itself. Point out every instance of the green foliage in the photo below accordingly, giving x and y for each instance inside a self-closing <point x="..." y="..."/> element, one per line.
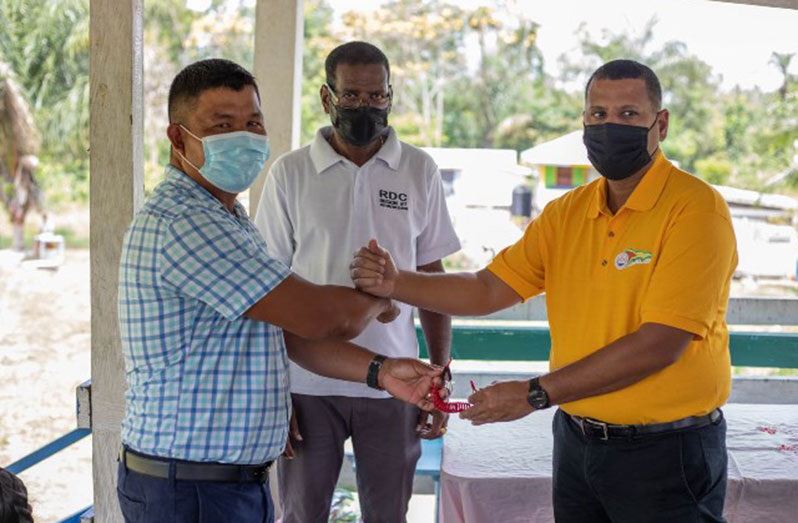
<point x="344" y="508"/>
<point x="689" y="87"/>
<point x="714" y="170"/>
<point x="462" y="78"/>
<point x="47" y="45"/>
<point x="175" y="36"/>
<point x="226" y="30"/>
<point x="424" y="42"/>
<point x="63" y="180"/>
<point x="734" y="138"/>
<point x="171" y="14"/>
<point x="498" y="98"/>
<point x="319" y="42"/>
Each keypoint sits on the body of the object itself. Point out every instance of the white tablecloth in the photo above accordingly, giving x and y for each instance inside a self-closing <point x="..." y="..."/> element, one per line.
<point x="502" y="472"/>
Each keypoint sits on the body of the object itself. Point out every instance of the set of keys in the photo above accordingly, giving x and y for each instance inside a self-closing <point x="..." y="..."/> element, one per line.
<point x="449" y="406"/>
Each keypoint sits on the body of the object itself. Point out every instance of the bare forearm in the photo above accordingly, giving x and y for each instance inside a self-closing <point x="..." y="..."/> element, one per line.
<point x="620" y="364"/>
<point x="456" y="294"/>
<point x="437" y="327"/>
<point x="438" y="335"/>
<point x="461" y="294"/>
<point x="331" y="358"/>
<point x="318" y="311"/>
<point x="352" y="310"/>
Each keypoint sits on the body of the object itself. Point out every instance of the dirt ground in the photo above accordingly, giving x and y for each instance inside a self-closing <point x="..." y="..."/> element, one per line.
<point x="44" y="354"/>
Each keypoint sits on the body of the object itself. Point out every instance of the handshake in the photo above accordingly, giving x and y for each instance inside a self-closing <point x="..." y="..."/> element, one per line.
<point x="373" y="271"/>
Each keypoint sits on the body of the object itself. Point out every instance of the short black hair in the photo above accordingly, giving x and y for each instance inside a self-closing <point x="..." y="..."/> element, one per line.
<point x="14" y="506"/>
<point x="354" y="53"/>
<point x="203" y="75"/>
<point x="623" y="69"/>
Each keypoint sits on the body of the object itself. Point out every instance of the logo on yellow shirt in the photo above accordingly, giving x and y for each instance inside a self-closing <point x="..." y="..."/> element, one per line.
<point x="629" y="257"/>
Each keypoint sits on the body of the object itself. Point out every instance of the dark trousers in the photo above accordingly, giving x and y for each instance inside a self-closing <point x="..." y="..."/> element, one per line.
<point x="149" y="499"/>
<point x="677" y="477"/>
<point x="386" y="451"/>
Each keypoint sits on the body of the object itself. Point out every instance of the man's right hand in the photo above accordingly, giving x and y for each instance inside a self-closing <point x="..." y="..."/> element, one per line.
<point x="373" y="270"/>
<point x="410" y="380"/>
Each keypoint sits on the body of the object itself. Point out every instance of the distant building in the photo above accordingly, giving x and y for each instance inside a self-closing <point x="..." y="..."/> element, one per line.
<point x="561" y="164"/>
<point x="479" y="186"/>
<point x="754" y="205"/>
<point x="479" y="178"/>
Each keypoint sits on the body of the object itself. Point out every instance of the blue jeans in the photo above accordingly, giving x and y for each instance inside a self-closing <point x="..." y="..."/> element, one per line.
<point x="677" y="477"/>
<point x="148" y="499"/>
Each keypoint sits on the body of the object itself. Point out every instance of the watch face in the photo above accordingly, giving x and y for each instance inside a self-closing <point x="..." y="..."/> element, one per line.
<point x="538" y="399"/>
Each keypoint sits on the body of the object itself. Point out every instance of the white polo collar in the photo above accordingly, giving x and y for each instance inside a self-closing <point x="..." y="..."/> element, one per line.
<point x="324" y="156"/>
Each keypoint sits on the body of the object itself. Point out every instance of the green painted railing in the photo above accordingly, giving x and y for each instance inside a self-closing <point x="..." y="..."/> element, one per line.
<point x="524" y="343"/>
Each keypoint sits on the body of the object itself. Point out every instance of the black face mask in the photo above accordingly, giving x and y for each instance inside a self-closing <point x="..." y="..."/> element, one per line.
<point x="617" y="151"/>
<point x="358" y="127"/>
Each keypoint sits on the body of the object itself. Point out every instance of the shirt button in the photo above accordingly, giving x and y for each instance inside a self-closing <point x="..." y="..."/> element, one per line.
<point x="603" y="263"/>
<point x="611" y="234"/>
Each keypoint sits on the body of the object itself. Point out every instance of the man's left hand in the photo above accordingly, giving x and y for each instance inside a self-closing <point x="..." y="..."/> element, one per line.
<point x="391" y="314"/>
<point x="504" y="401"/>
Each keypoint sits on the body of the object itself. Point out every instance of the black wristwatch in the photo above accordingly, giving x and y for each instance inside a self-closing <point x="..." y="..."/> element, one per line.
<point x="372" y="378"/>
<point x="537" y="396"/>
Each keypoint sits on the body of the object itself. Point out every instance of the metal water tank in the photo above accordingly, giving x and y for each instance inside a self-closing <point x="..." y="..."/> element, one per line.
<point x="522" y="201"/>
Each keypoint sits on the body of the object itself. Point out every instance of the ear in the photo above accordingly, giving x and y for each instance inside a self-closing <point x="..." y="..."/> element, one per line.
<point x="662" y="123"/>
<point x="175" y="135"/>
<point x="324" y="94"/>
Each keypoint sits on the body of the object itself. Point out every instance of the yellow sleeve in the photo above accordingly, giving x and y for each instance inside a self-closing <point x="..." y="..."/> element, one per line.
<point x="692" y="274"/>
<point x="521" y="265"/>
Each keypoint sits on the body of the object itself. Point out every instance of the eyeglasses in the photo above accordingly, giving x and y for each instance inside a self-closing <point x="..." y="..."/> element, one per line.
<point x="350" y="100"/>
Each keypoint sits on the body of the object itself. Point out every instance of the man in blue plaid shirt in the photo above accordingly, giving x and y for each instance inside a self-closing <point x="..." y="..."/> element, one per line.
<point x="203" y="314"/>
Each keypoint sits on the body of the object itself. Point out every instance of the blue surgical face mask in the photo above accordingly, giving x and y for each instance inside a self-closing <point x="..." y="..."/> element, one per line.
<point x="232" y="160"/>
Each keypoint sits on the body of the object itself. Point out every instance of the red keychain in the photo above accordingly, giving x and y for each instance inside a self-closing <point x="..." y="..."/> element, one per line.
<point x="449" y="406"/>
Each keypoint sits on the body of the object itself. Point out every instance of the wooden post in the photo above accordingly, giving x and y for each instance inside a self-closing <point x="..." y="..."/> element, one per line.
<point x="279" y="36"/>
<point x="117" y="191"/>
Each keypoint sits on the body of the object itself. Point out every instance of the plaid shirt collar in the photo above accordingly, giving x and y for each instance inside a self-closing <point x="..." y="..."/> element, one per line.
<point x="179" y="178"/>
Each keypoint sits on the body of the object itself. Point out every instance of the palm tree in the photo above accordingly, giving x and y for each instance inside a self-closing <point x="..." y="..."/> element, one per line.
<point x="782" y="62"/>
<point x="19" y="144"/>
<point x="46" y="44"/>
<point x="44" y="85"/>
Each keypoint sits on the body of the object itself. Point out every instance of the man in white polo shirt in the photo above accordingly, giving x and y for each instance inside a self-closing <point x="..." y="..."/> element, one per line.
<point x="354" y="182"/>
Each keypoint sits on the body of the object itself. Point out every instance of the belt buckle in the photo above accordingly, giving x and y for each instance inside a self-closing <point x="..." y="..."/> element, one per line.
<point x="605" y="433"/>
<point x="262" y="474"/>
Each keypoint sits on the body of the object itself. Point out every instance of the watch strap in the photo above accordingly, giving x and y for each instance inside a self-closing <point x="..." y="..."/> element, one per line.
<point x="374" y="372"/>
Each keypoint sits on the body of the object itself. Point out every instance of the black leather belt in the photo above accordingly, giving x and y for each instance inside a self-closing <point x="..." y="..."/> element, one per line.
<point x="192" y="470"/>
<point x="595" y="429"/>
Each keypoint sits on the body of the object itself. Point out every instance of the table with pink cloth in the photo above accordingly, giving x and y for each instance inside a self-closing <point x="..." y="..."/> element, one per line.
<point x="502" y="472"/>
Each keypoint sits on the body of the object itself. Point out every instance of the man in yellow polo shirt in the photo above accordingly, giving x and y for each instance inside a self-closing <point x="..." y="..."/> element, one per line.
<point x="636" y="269"/>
